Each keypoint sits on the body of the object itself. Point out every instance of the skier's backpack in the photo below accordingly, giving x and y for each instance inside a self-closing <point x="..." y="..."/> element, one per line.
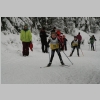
<point x="58" y="32"/>
<point x="61" y="40"/>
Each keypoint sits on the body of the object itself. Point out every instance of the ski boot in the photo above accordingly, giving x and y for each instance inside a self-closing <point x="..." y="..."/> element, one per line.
<point x="49" y="65"/>
<point x="62" y="63"/>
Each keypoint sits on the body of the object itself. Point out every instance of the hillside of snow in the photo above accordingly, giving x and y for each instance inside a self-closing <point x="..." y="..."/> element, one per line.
<point x="16" y="69"/>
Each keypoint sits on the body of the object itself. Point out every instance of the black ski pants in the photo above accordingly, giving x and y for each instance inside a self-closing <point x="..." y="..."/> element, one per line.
<point x="25" y="48"/>
<point x="65" y="46"/>
<point x="74" y="49"/>
<point x="52" y="55"/>
<point x="92" y="46"/>
<point x="79" y="43"/>
<point x="44" y="46"/>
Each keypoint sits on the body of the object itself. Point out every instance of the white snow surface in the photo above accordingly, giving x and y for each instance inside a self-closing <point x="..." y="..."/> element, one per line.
<point x="16" y="69"/>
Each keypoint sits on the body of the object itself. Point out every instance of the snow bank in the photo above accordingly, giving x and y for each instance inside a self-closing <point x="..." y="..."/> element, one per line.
<point x="12" y="42"/>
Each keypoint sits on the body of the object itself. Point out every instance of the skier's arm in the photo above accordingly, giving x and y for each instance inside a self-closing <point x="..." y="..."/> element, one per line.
<point x="48" y="42"/>
<point x="66" y="39"/>
<point x="21" y="35"/>
<point x="95" y="39"/>
<point x="71" y="44"/>
<point x="59" y="42"/>
<point x="46" y="35"/>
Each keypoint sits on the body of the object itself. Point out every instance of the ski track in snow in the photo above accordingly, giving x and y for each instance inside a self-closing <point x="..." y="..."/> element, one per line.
<point x="16" y="69"/>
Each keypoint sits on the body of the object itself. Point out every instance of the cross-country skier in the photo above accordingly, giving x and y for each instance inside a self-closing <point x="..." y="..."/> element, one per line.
<point x="92" y="39"/>
<point x="79" y="37"/>
<point x="74" y="44"/>
<point x="54" y="45"/>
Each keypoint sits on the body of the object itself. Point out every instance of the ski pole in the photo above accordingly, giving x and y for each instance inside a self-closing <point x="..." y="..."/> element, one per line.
<point x="95" y="45"/>
<point x="49" y="53"/>
<point x="81" y="51"/>
<point x="70" y="46"/>
<point x="67" y="57"/>
<point x="89" y="45"/>
<point x="68" y="43"/>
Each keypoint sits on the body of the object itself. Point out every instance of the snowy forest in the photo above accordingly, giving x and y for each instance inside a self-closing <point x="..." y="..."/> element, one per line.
<point x="66" y="24"/>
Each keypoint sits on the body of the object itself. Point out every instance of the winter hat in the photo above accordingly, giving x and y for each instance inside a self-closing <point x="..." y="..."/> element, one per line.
<point x="26" y="25"/>
<point x="54" y="28"/>
<point x="75" y="37"/>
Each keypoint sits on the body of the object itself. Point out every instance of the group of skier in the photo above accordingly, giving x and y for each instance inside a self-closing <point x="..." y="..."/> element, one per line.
<point x="56" y="41"/>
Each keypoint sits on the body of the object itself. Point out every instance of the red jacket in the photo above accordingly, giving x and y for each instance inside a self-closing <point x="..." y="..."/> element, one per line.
<point x="58" y="32"/>
<point x="79" y="37"/>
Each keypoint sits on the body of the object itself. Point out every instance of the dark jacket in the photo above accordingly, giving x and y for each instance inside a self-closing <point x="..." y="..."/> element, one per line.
<point x="79" y="37"/>
<point x="43" y="35"/>
<point x="65" y="40"/>
<point x="92" y="39"/>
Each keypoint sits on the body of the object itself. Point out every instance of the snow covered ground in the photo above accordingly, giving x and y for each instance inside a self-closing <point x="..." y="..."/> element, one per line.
<point x="16" y="69"/>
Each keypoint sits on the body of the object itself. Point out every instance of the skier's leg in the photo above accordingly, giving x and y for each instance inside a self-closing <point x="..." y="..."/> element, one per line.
<point x="52" y="55"/>
<point x="93" y="47"/>
<point x="46" y="46"/>
<point x="60" y="57"/>
<point x="79" y="42"/>
<point x="24" y="48"/>
<point x="42" y="46"/>
<point x="77" y="51"/>
<point x="27" y="48"/>
<point x="65" y="46"/>
<point x="72" y="51"/>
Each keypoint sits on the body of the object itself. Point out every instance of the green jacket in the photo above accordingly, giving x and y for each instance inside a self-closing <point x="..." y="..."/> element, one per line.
<point x="25" y="36"/>
<point x="92" y="39"/>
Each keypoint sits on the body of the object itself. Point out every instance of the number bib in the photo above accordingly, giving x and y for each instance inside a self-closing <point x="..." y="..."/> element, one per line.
<point x="75" y="44"/>
<point x="54" y="46"/>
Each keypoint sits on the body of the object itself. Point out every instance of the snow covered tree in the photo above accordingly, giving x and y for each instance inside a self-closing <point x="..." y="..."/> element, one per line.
<point x="65" y="24"/>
